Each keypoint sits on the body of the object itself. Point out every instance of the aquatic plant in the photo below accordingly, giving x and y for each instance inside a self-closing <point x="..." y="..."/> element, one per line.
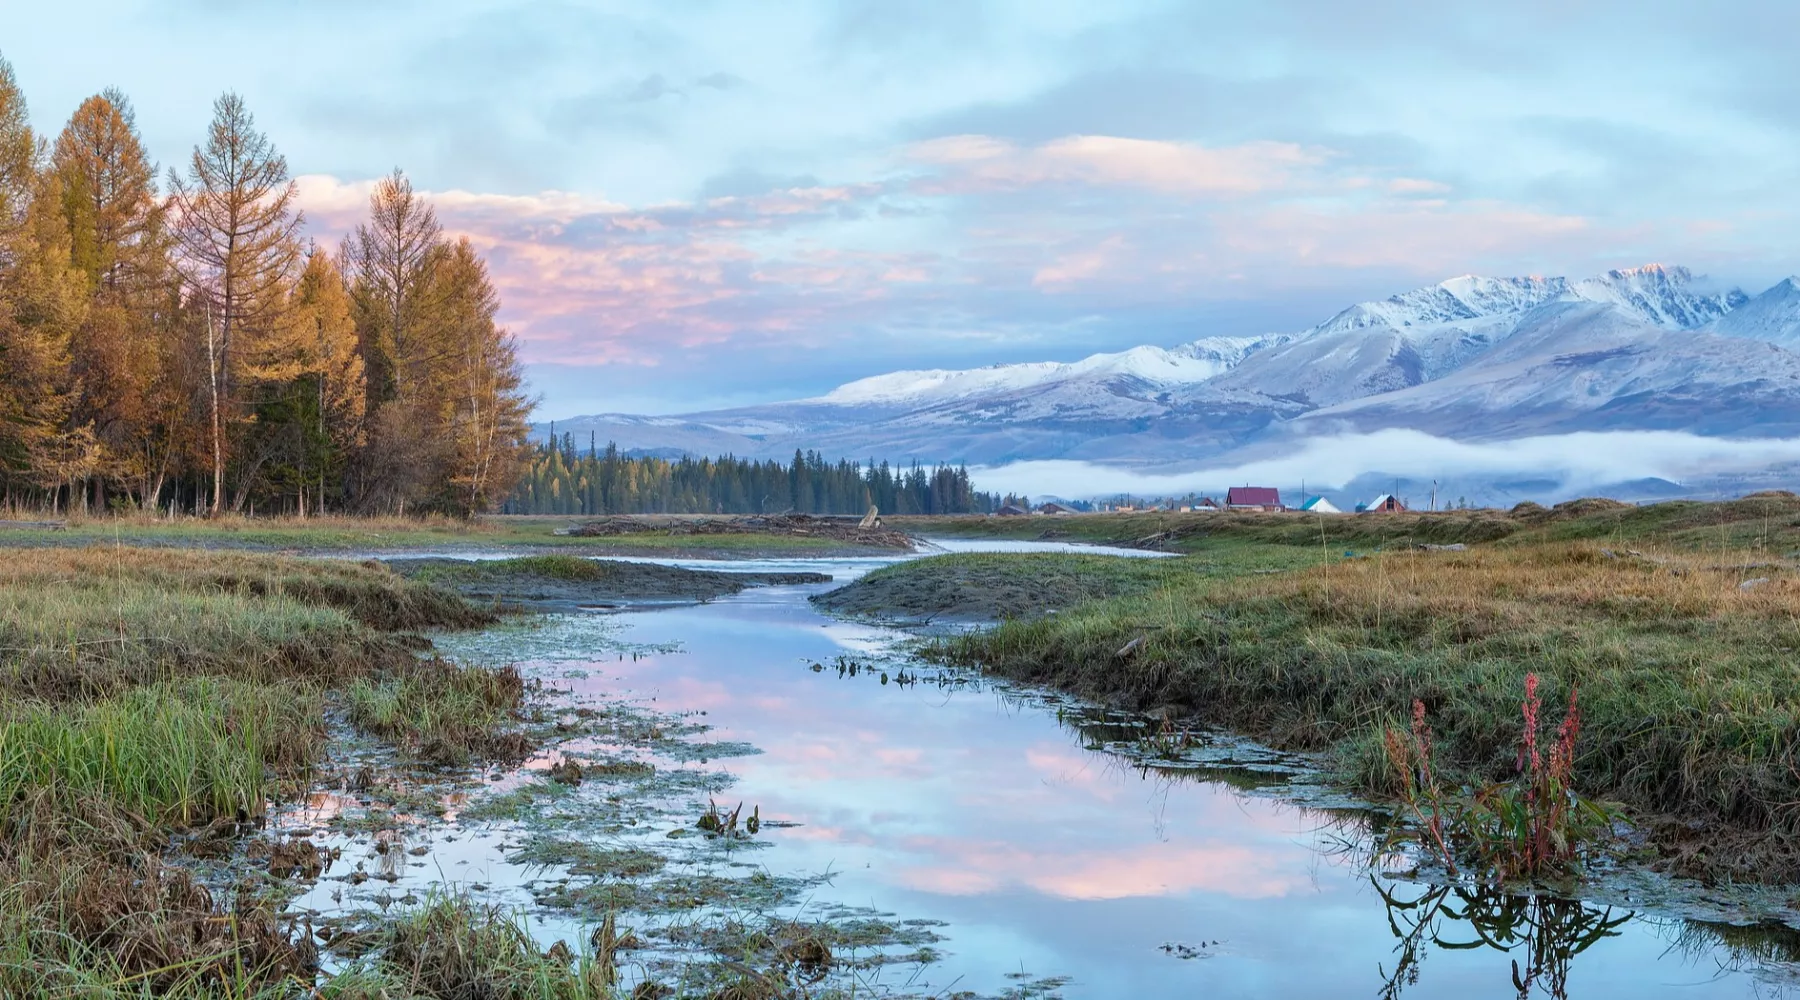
<point x="442" y="712"/>
<point x="725" y="824"/>
<point x="450" y="947"/>
<point x="1532" y="825"/>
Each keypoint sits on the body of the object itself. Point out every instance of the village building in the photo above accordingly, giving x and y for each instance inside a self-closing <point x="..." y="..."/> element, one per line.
<point x="1010" y="510"/>
<point x="1387" y="503"/>
<point x="1320" y="505"/>
<point x="1253" y="498"/>
<point x="1055" y="508"/>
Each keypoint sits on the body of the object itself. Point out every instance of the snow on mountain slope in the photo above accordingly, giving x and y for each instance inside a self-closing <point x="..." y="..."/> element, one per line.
<point x="1465" y="298"/>
<point x="1424" y="335"/>
<point x="1662" y="296"/>
<point x="1471" y="357"/>
<point x="1195" y="362"/>
<point x="1773" y="316"/>
<point x="1588" y="366"/>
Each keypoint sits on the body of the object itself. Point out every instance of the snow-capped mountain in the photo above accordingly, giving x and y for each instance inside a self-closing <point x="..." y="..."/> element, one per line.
<point x="1773" y="316"/>
<point x="1469" y="358"/>
<point x="1186" y="364"/>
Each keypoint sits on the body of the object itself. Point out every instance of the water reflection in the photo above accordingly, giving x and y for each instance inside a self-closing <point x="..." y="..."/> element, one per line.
<point x="1542" y="935"/>
<point x="1138" y="858"/>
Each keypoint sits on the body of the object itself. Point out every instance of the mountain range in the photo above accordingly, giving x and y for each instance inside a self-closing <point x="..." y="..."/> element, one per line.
<point x="1470" y="359"/>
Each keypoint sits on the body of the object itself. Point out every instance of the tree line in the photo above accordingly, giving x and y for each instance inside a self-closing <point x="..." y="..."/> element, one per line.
<point x="560" y="478"/>
<point x="183" y="345"/>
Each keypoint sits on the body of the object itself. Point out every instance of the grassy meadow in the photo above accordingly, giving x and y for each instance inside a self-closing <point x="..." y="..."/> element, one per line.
<point x="1763" y="522"/>
<point x="1680" y="623"/>
<point x="339" y="535"/>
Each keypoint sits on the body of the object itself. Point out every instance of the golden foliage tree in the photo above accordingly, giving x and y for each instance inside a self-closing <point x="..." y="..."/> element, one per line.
<point x="480" y="385"/>
<point x="179" y="351"/>
<point x="436" y="359"/>
<point x="117" y="241"/>
<point x="237" y="235"/>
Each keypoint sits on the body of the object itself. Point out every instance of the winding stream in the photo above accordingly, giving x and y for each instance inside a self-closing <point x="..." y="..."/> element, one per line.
<point x="1057" y="866"/>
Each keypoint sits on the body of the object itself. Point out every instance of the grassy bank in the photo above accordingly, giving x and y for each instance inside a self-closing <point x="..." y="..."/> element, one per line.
<point x="1685" y="662"/>
<point x="564" y="580"/>
<point x="144" y="692"/>
<point x="1765" y="522"/>
<point x="88" y="622"/>
<point x="390" y="535"/>
<point x="989" y="587"/>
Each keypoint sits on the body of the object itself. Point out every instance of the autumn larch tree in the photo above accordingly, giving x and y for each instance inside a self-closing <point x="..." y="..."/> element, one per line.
<point x="117" y="239"/>
<point x="237" y="235"/>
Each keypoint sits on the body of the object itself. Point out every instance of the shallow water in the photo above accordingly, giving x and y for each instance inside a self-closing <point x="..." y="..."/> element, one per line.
<point x="983" y="807"/>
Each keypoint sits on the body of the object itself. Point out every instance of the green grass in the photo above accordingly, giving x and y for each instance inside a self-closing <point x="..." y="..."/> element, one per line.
<point x="1689" y="684"/>
<point x="174" y="754"/>
<point x="441" y="712"/>
<point x="145" y="691"/>
<point x="994" y="586"/>
<point x="78" y="623"/>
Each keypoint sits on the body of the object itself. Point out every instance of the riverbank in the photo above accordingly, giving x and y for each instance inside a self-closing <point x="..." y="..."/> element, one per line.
<point x="380" y="536"/>
<point x="607" y="798"/>
<point x="216" y="768"/>
<point x="563" y="582"/>
<point x="1761" y="522"/>
<point x="1683" y="654"/>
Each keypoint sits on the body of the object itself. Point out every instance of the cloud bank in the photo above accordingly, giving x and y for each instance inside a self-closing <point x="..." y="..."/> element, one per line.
<point x="1574" y="462"/>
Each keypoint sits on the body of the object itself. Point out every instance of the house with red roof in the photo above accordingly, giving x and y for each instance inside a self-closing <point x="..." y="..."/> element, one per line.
<point x="1253" y="498"/>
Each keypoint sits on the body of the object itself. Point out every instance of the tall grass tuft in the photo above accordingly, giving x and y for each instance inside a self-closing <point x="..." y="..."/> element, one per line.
<point x="176" y="753"/>
<point x="441" y="712"/>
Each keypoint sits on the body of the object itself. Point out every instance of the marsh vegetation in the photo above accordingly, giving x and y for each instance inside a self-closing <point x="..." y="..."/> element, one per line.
<point x="1677" y="625"/>
<point x="236" y="774"/>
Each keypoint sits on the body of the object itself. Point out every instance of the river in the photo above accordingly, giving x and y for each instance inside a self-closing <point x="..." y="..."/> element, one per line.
<point x="1056" y="866"/>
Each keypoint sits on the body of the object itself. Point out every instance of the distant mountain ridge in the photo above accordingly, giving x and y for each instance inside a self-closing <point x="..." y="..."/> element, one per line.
<point x="1469" y="358"/>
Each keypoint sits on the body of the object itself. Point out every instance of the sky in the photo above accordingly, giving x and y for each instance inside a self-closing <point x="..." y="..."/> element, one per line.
<point x="689" y="205"/>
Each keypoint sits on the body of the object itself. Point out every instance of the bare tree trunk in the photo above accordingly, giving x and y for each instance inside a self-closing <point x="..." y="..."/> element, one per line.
<point x="218" y="449"/>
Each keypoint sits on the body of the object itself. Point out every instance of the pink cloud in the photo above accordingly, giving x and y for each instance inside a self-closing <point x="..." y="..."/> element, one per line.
<point x="975" y="163"/>
<point x="961" y="867"/>
<point x="962" y="237"/>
